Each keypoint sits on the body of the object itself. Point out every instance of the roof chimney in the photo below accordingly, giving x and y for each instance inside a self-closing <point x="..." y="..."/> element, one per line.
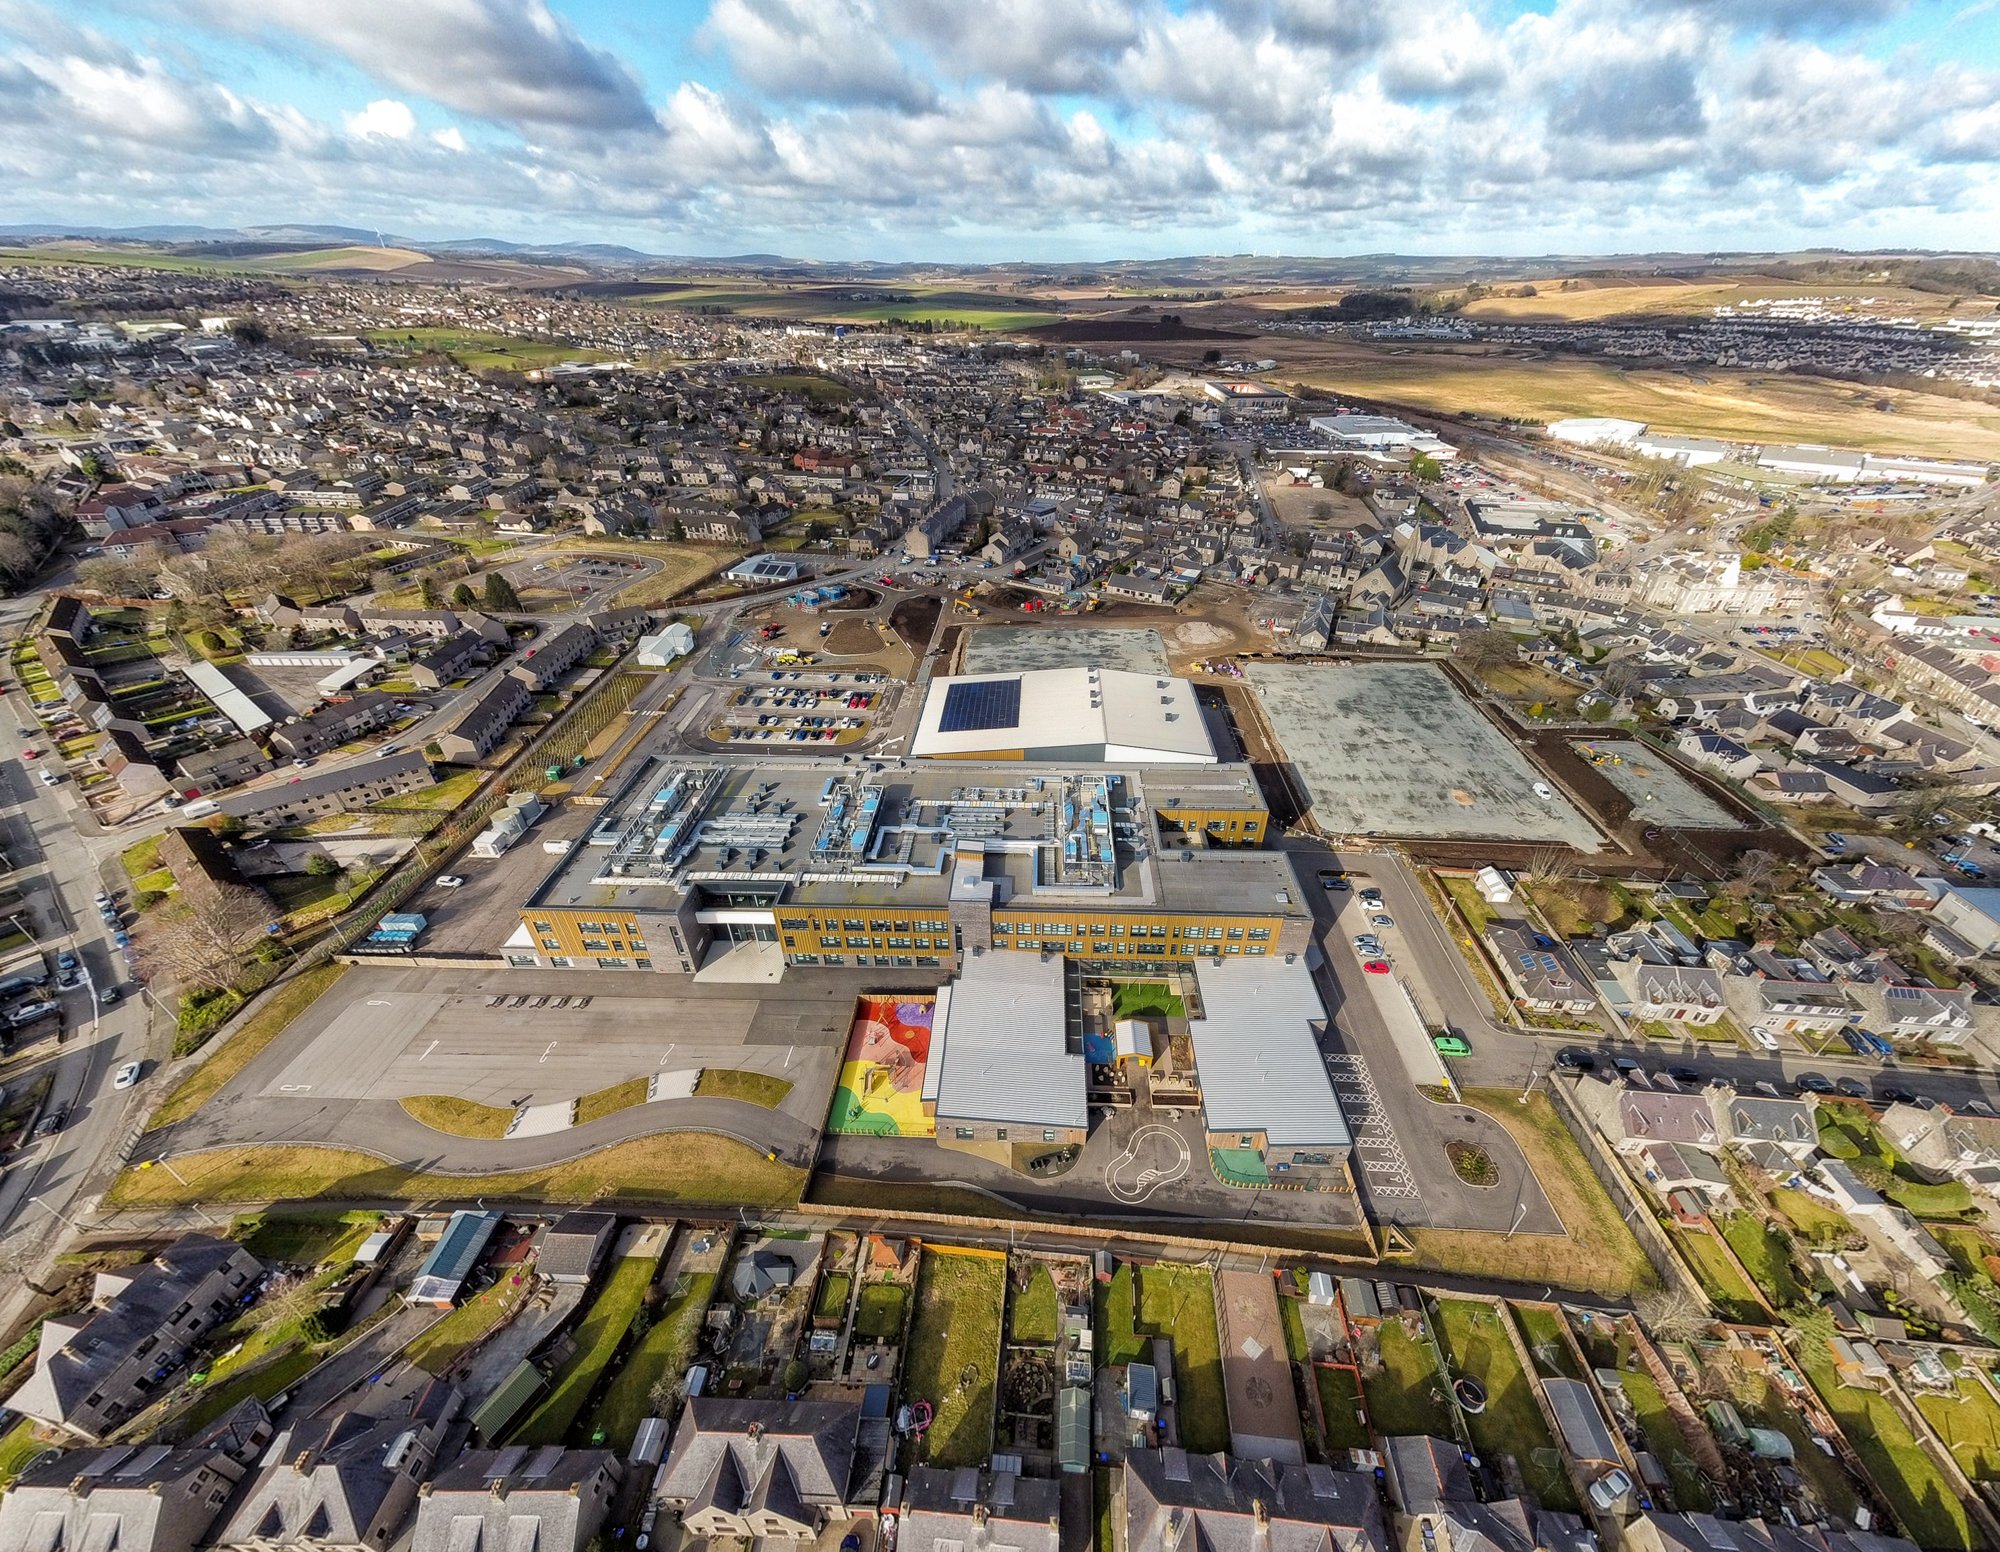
<point x="1260" y="1514"/>
<point x="754" y="1432"/>
<point x="980" y="1514"/>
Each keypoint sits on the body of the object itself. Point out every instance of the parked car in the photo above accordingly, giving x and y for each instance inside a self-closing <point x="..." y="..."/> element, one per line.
<point x="127" y="1075"/>
<point x="1812" y="1083"/>
<point x="1889" y="1094"/>
<point x="1835" y="842"/>
<point x="1685" y="1075"/>
<point x="29" y="1012"/>
<point x="1448" y="1044"/>
<point x="1375" y="966"/>
<point x="449" y="880"/>
<point x="1763" y="1037"/>
<point x="65" y="962"/>
<point x="53" y="1122"/>
<point x="1571" y="1059"/>
<point x="1852" y="1088"/>
<point x="108" y="997"/>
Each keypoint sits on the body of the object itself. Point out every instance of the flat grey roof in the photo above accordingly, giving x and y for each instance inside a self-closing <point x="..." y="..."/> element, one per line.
<point x="1006" y="1051"/>
<point x="231" y="701"/>
<point x="1258" y="1054"/>
<point x="1003" y="649"/>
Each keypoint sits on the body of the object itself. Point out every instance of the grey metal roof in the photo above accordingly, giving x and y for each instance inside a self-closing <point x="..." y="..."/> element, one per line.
<point x="1584" y="1432"/>
<point x="1006" y="1044"/>
<point x="1261" y="1068"/>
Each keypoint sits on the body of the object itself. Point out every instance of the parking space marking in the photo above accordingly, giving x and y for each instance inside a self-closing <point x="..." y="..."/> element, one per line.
<point x="1375" y="1144"/>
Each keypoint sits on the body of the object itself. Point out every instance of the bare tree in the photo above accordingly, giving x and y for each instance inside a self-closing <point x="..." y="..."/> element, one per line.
<point x="1755" y="871"/>
<point x="1551" y="865"/>
<point x="199" y="942"/>
<point x="1672" y="1314"/>
<point x="1488" y="646"/>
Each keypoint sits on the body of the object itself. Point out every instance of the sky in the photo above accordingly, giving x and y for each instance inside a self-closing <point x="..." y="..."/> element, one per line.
<point x="1018" y="130"/>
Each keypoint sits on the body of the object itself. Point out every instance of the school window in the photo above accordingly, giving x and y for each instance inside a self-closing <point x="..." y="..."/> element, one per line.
<point x="1234" y="932"/>
<point x="899" y="943"/>
<point x="1233" y="948"/>
<point x="1001" y="926"/>
<point x="638" y="943"/>
<point x="834" y="959"/>
<point x="964" y="1134"/>
<point x="1000" y="1135"/>
<point x="878" y="926"/>
<point x="590" y="927"/>
<point x="613" y="962"/>
<point x="551" y="944"/>
<point x="829" y="942"/>
<point x="1117" y="929"/>
<point x="857" y="942"/>
<point x="853" y="926"/>
<point x="543" y="927"/>
<point x="642" y="964"/>
<point x="1048" y="1134"/>
<point x="1158" y="930"/>
<point x="596" y="946"/>
<point x="559" y="962"/>
<point x="902" y="926"/>
<point x="1258" y="948"/>
<point x="805" y="959"/>
<point x="1260" y="934"/>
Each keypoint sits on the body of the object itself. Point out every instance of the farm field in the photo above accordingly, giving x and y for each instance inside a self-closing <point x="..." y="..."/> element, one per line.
<point x="851" y="304"/>
<point x="479" y="350"/>
<point x="1595" y="299"/>
<point x="1734" y="406"/>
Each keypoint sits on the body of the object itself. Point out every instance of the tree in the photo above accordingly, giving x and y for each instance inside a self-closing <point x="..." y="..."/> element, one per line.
<point x="1755" y="870"/>
<point x="500" y="594"/>
<point x="320" y="865"/>
<point x="1424" y="467"/>
<point x="429" y="592"/>
<point x="199" y="943"/>
<point x="461" y="597"/>
<point x="1672" y="1314"/>
<point x="1487" y="646"/>
<point x="1550" y="865"/>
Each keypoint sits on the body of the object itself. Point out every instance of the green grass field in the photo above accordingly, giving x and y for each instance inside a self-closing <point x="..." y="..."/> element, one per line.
<point x="1176" y="1302"/>
<point x="1511" y="1424"/>
<point x="953" y="1356"/>
<point x="1339" y="1401"/>
<point x="1542" y="1330"/>
<point x="1034" y="1315"/>
<point x="479" y="350"/>
<point x="840" y="304"/>
<point x="1765" y="1258"/>
<point x="598" y="1334"/>
<point x="1734" y="1298"/>
<point x="1969" y="1423"/>
<point x="879" y="1315"/>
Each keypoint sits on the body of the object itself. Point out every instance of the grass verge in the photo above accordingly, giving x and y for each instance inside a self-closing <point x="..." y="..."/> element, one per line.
<point x="1597" y="1253"/>
<point x="953" y="1356"/>
<point x="1407" y="1395"/>
<point x="243" y="1047"/>
<point x="597" y="1337"/>
<point x="756" y="1088"/>
<point x="607" y="1102"/>
<point x="671" y="1167"/>
<point x="457" y="1117"/>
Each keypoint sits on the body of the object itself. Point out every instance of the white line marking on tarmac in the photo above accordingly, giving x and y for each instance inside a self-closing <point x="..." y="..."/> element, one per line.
<point x="427" y="1051"/>
<point x="546" y="1054"/>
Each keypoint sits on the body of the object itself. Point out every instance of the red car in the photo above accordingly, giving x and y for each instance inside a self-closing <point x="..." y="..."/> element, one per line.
<point x="1375" y="966"/>
<point x="31" y="754"/>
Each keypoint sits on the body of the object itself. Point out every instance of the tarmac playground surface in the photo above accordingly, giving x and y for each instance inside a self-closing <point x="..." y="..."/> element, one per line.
<point x="1660" y="794"/>
<point x="1394" y="749"/>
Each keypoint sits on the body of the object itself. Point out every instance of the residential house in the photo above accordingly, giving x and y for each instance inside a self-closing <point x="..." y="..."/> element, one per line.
<point x="545" y="1500"/>
<point x="1773" y="1133"/>
<point x="450" y="659"/>
<point x="94" y="1369"/>
<point x="478" y="730"/>
<point x="970" y="1510"/>
<point x="228" y="764"/>
<point x="767" y="1468"/>
<point x="1685" y="994"/>
<point x="1942" y="1014"/>
<point x="331" y="726"/>
<point x="1632" y="1116"/>
<point x="1438" y="1507"/>
<point x="340" y="790"/>
<point x="543" y="664"/>
<point x="205" y="869"/>
<point x="1541" y="978"/>
<point x="126" y="1498"/>
<point x="1178" y="1502"/>
<point x="1860" y="883"/>
<point x="1942" y="1146"/>
<point x="1719" y="754"/>
<point x="348" y="1481"/>
<point x="1801" y="1007"/>
<point x="1972" y="914"/>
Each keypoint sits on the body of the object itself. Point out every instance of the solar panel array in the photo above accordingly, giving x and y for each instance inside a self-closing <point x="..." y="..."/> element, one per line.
<point x="974" y="706"/>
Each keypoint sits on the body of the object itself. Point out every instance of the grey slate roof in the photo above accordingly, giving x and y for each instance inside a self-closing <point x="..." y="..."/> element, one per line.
<point x="1177" y="1502"/>
<point x="517" y="1500"/>
<point x="125" y="1498"/>
<point x="969" y="1510"/>
<point x="736" y="1453"/>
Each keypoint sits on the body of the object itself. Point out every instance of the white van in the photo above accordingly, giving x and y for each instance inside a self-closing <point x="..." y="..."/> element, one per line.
<point x="200" y="809"/>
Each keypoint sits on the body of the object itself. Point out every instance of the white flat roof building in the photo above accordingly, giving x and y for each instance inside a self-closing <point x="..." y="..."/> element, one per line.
<point x="1001" y="1046"/>
<point x="1691" y="451"/>
<point x="1820" y="463"/>
<point x="1094" y="715"/>
<point x="1257" y="1050"/>
<point x="248" y="716"/>
<point x="1595" y="430"/>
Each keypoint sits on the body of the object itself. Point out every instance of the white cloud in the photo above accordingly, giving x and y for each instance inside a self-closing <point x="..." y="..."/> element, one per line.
<point x="449" y="137"/>
<point x="818" y="50"/>
<point x="384" y="118"/>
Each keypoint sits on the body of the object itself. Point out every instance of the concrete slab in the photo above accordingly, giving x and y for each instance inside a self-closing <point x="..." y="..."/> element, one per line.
<point x="363" y="1041"/>
<point x="542" y="1120"/>
<point x="673" y="1085"/>
<point x="1003" y="649"/>
<point x="1395" y="749"/>
<point x="1660" y="794"/>
<point x="743" y="964"/>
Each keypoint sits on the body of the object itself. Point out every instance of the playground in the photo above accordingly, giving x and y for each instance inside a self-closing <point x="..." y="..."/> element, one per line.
<point x="880" y="1092"/>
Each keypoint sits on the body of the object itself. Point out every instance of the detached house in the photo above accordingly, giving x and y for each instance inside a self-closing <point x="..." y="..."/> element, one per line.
<point x="1631" y="1117"/>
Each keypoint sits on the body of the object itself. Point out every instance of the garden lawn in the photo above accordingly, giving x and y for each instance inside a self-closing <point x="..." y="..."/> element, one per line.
<point x="1034" y="1316"/>
<point x="1765" y="1257"/>
<point x="1734" y="1299"/>
<point x="667" y="1348"/>
<point x="953" y="1356"/>
<point x="211" y="1401"/>
<point x="598" y="1334"/>
<point x="1179" y="1303"/>
<point x="304" y="1238"/>
<point x="19" y="1447"/>
<point x="1915" y="1489"/>
<point x="1542" y="1330"/>
<point x="1969" y="1424"/>
<point x="1664" y="1439"/>
<point x="1145" y="999"/>
<point x="1407" y="1396"/>
<point x="879" y="1315"/>
<point x="1340" y="1401"/>
<point x="1477" y="1343"/>
<point x="1816" y="1222"/>
<point x="834" y="1291"/>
